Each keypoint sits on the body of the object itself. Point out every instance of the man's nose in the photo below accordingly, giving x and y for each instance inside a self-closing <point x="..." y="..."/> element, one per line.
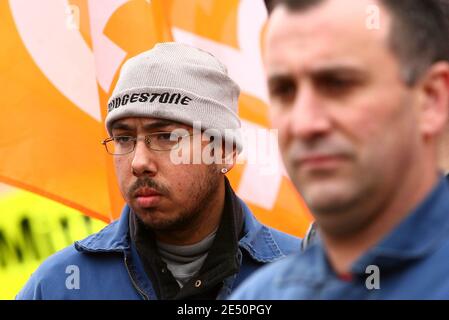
<point x="144" y="160"/>
<point x="309" y="117"/>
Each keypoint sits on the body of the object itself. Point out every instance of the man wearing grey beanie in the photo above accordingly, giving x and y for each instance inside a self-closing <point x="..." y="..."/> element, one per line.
<point x="183" y="233"/>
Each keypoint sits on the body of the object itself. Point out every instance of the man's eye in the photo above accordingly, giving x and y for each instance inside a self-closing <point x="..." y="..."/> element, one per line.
<point x="167" y="136"/>
<point x="285" y="91"/>
<point x="335" y="86"/>
<point x="122" y="139"/>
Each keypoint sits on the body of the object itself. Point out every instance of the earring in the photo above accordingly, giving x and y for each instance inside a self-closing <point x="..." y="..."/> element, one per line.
<point x="224" y="170"/>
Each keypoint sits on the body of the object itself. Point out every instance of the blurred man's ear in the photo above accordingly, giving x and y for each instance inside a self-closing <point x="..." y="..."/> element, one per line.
<point x="443" y="151"/>
<point x="435" y="106"/>
<point x="443" y="143"/>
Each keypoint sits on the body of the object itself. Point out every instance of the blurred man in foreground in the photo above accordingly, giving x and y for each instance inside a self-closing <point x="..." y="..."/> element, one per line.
<point x="360" y="105"/>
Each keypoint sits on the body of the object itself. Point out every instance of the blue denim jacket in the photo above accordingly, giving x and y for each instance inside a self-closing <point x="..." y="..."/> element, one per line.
<point x="109" y="266"/>
<point x="413" y="263"/>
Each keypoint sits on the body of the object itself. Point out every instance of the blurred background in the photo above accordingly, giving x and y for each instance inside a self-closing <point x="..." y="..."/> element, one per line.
<point x="59" y="61"/>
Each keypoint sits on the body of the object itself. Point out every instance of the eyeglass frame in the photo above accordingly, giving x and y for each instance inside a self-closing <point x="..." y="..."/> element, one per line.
<point x="147" y="139"/>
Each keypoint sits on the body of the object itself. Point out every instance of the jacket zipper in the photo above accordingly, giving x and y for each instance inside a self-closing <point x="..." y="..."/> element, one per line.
<point x="144" y="296"/>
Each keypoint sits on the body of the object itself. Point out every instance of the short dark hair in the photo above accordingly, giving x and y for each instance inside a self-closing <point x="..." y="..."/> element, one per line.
<point x="293" y="5"/>
<point x="419" y="34"/>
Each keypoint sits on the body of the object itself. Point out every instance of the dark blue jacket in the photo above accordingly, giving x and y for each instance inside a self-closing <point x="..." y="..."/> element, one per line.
<point x="413" y="263"/>
<point x="109" y="266"/>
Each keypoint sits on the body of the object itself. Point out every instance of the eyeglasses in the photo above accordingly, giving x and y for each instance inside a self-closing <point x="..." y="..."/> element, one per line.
<point x="158" y="141"/>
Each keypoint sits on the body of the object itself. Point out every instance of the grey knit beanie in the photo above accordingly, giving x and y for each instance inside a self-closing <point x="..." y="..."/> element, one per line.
<point x="177" y="82"/>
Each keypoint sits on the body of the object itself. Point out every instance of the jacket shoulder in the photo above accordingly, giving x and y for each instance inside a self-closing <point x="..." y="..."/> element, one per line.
<point x="264" y="243"/>
<point x="50" y="275"/>
<point x="287" y="243"/>
<point x="49" y="279"/>
<point x="268" y="282"/>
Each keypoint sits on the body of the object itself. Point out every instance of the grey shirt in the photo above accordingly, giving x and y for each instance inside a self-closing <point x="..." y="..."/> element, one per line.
<point x="185" y="261"/>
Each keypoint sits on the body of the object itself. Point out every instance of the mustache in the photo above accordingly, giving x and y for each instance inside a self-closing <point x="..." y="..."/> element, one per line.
<point x="147" y="182"/>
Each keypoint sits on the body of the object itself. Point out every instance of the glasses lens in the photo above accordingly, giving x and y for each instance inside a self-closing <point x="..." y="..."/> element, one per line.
<point x="120" y="145"/>
<point x="164" y="141"/>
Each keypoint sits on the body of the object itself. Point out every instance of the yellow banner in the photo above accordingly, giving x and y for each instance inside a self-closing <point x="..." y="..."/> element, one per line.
<point x="31" y="229"/>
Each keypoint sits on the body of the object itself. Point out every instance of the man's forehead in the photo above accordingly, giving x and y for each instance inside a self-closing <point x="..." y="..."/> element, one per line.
<point x="349" y="9"/>
<point x="320" y="39"/>
<point x="330" y="19"/>
<point x="145" y="123"/>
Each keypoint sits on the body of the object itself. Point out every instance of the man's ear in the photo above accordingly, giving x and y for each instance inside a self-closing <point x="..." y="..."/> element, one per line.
<point x="435" y="106"/>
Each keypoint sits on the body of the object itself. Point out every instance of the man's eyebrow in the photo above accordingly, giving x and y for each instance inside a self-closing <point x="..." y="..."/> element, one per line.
<point x="121" y="126"/>
<point x="118" y="125"/>
<point x="160" y="124"/>
<point x="341" y="72"/>
<point x="279" y="78"/>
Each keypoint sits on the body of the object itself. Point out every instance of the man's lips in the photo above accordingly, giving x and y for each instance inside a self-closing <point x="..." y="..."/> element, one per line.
<point x="147" y="197"/>
<point x="146" y="192"/>
<point x="320" y="161"/>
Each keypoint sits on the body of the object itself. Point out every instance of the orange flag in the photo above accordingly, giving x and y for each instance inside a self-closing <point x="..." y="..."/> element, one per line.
<point x="59" y="62"/>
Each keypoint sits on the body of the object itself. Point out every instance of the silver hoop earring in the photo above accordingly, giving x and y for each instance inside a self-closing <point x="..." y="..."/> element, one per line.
<point x="224" y="170"/>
